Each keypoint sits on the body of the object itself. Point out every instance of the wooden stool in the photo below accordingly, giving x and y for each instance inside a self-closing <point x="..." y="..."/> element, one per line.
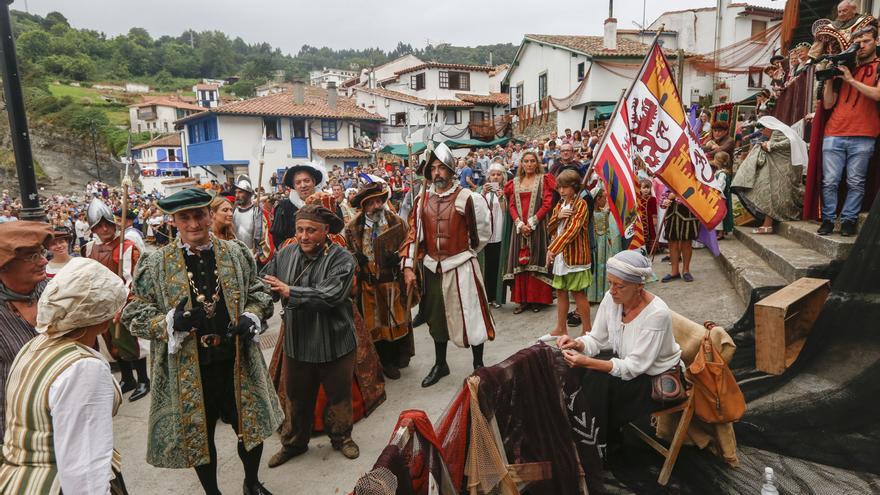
<point x="670" y="454"/>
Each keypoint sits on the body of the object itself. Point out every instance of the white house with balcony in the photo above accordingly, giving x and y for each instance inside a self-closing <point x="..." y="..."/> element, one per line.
<point x="158" y="114"/>
<point x="584" y="76"/>
<point x="282" y="129"/>
<point x="369" y="75"/>
<point x="460" y="93"/>
<point x="160" y="161"/>
<point x="694" y="31"/>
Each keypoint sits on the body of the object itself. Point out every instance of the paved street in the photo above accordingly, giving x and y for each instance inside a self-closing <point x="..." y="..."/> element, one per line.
<point x="324" y="471"/>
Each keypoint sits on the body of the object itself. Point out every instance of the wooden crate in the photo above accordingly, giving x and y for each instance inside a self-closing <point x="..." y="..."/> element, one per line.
<point x="784" y="319"/>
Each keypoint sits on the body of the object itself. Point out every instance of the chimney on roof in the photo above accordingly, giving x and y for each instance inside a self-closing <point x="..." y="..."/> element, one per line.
<point x="331" y="94"/>
<point x="610" y="40"/>
<point x="299" y="91"/>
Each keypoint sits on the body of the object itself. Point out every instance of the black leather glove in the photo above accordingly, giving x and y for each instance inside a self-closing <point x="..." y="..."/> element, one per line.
<point x="187" y="319"/>
<point x="246" y="329"/>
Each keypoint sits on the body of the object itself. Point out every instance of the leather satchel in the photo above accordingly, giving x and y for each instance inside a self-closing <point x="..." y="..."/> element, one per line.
<point x="717" y="397"/>
<point x="668" y="388"/>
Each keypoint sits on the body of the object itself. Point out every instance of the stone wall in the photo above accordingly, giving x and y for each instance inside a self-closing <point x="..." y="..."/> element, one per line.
<point x="64" y="163"/>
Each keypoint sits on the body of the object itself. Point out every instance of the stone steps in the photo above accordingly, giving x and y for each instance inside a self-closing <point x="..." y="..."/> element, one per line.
<point x="803" y="232"/>
<point x="786" y="257"/>
<point x="755" y="261"/>
<point x="746" y="270"/>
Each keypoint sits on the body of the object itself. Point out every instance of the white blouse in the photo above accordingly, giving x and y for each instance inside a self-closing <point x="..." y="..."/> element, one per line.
<point x="81" y="401"/>
<point x="645" y="345"/>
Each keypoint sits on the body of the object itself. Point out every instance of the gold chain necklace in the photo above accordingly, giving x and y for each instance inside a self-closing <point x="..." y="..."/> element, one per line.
<point x="210" y="306"/>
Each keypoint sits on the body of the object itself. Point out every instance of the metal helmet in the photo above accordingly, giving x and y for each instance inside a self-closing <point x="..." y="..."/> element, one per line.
<point x="244" y="183"/>
<point x="440" y="152"/>
<point x="98" y="210"/>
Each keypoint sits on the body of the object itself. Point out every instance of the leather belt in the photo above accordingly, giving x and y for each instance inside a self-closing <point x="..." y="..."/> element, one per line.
<point x="210" y="340"/>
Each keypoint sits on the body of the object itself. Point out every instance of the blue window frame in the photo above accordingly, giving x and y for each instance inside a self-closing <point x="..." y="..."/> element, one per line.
<point x="202" y="130"/>
<point x="329" y="131"/>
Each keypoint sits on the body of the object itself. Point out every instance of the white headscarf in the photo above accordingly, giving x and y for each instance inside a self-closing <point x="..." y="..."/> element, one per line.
<point x="799" y="152"/>
<point x="630" y="266"/>
<point x="81" y="294"/>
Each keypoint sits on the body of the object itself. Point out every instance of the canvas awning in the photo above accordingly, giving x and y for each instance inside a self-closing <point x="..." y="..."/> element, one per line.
<point x="604" y="111"/>
<point x="401" y="149"/>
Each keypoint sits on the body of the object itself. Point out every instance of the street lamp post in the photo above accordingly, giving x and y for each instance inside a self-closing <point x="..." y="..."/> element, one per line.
<point x="21" y="141"/>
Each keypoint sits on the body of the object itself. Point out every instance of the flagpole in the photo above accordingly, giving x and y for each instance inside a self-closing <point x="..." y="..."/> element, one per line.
<point x="624" y="94"/>
<point x="598" y="147"/>
<point x="647" y="57"/>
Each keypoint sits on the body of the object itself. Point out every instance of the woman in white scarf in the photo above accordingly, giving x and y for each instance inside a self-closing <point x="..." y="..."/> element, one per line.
<point x="769" y="182"/>
<point x="635" y="328"/>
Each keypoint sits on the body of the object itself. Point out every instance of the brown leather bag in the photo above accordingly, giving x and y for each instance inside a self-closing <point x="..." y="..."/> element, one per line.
<point x="717" y="397"/>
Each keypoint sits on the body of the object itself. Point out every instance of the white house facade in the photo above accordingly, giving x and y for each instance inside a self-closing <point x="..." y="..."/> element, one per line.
<point x="583" y="76"/>
<point x="160" y="162"/>
<point x="207" y="95"/>
<point x="460" y="93"/>
<point x="307" y="124"/>
<point x="159" y="114"/>
<point x="695" y="31"/>
<point x="323" y="77"/>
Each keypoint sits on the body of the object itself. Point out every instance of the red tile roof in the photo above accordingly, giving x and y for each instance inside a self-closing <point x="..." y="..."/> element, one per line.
<point x="438" y="65"/>
<point x="282" y="105"/>
<point x="397" y="95"/>
<point x="341" y="153"/>
<point x="206" y="86"/>
<point x="498" y="69"/>
<point x="593" y="46"/>
<point x="163" y="141"/>
<point x="166" y="101"/>
<point x="493" y="99"/>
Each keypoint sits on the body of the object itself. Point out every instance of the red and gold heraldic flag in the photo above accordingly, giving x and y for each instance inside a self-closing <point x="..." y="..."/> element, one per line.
<point x="662" y="138"/>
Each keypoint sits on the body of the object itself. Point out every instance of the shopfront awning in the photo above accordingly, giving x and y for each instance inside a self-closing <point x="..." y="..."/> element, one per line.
<point x="604" y="111"/>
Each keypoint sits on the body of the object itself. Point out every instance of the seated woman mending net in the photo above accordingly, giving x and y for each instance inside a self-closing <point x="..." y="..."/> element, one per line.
<point x="636" y="327"/>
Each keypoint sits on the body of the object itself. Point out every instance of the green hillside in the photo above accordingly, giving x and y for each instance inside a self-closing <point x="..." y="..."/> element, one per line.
<point x="53" y="54"/>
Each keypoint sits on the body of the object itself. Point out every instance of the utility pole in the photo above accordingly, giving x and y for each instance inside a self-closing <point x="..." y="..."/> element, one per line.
<point x="94" y="132"/>
<point x="21" y="141"/>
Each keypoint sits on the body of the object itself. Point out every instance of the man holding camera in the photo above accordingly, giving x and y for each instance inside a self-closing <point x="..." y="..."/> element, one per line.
<point x="850" y="133"/>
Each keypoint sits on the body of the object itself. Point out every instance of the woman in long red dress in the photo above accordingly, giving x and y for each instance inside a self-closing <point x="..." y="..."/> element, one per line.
<point x="530" y="196"/>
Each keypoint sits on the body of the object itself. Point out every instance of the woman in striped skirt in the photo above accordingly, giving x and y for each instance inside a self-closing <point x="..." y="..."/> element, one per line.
<point x="681" y="228"/>
<point x="61" y="396"/>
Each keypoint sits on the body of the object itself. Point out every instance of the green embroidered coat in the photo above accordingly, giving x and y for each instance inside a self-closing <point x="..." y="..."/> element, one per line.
<point x="178" y="430"/>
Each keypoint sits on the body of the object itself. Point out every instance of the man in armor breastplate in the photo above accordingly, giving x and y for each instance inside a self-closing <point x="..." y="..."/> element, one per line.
<point x="449" y="225"/>
<point x="110" y="248"/>
<point x="251" y="222"/>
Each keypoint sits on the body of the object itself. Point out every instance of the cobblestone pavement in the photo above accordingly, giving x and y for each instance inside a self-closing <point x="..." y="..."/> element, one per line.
<point x="323" y="470"/>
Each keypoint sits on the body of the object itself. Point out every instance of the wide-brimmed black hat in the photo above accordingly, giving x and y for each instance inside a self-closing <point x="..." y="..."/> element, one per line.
<point x="320" y="214"/>
<point x="367" y="191"/>
<point x="318" y="173"/>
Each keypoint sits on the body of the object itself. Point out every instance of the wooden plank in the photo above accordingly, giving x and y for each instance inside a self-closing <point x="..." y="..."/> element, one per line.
<point x="793" y="292"/>
<point x="784" y="319"/>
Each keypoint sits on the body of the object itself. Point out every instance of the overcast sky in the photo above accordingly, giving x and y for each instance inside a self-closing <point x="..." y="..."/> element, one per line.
<point x="289" y="24"/>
